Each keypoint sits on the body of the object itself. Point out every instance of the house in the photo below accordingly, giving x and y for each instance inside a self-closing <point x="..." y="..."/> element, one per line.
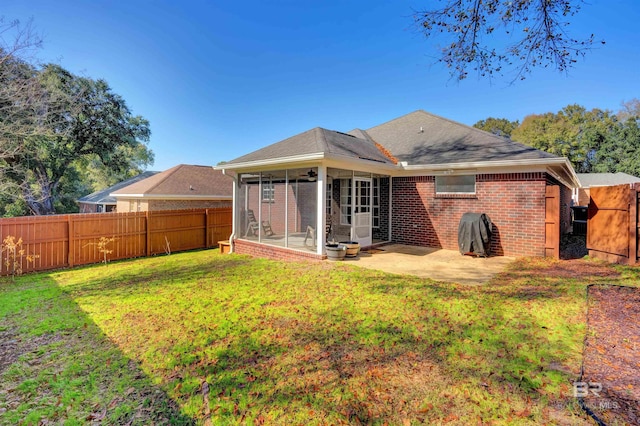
<point x="102" y="201"/>
<point x="587" y="180"/>
<point x="181" y="187"/>
<point x="406" y="181"/>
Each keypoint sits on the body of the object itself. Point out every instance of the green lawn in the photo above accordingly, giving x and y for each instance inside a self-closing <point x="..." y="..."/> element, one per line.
<point x="197" y="337"/>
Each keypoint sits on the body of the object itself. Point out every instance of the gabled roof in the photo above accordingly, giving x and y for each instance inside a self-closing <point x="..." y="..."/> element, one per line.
<point x="588" y="180"/>
<point x="317" y="141"/>
<point x="415" y="142"/>
<point x="182" y="181"/>
<point x="103" y="196"/>
<point x="423" y="138"/>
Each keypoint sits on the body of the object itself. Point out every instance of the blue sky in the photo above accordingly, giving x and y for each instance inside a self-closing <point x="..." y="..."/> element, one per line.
<point x="218" y="79"/>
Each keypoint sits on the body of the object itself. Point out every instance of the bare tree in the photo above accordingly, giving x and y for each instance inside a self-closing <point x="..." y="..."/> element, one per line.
<point x="534" y="34"/>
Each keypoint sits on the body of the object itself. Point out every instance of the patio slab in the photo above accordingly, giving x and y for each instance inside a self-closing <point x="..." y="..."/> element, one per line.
<point x="437" y="264"/>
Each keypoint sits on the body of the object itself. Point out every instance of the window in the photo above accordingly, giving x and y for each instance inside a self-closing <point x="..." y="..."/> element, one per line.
<point x="375" y="217"/>
<point x="345" y="201"/>
<point x="268" y="192"/>
<point x="456" y="184"/>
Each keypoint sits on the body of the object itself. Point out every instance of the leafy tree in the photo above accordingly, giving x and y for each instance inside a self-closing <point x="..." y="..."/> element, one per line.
<point x="497" y="126"/>
<point x="620" y="151"/>
<point x="535" y="30"/>
<point x="593" y="140"/>
<point x="53" y="126"/>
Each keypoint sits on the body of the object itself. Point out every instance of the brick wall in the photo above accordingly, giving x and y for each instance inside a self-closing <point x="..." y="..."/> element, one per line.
<point x="514" y="202"/>
<point x="144" y="205"/>
<point x="273" y="252"/>
<point x="583" y="197"/>
<point x="155" y="205"/>
<point x="382" y="233"/>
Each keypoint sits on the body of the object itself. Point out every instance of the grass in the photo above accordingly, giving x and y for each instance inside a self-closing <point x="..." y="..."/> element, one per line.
<point x="201" y="338"/>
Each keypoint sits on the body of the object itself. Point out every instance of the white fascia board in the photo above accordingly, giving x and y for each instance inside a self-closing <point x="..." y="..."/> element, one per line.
<point x="272" y="162"/>
<point x="328" y="159"/>
<point x="560" y="178"/>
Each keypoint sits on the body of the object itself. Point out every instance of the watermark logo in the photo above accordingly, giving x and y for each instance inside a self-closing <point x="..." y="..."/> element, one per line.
<point x="585" y="389"/>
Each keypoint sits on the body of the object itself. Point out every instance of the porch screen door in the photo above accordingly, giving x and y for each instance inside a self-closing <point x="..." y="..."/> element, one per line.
<point x="361" y="226"/>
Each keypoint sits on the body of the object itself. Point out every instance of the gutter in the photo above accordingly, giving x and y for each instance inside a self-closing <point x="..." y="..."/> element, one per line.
<point x="232" y="237"/>
<point x="481" y="164"/>
<point x="298" y="160"/>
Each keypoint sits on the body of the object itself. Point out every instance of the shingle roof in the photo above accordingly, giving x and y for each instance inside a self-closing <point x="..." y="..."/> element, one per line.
<point x="605" y="179"/>
<point x="424" y="138"/>
<point x="183" y="180"/>
<point x="317" y="140"/>
<point x="103" y="196"/>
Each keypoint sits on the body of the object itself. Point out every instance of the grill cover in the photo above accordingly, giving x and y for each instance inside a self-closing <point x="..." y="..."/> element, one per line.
<point x="474" y="234"/>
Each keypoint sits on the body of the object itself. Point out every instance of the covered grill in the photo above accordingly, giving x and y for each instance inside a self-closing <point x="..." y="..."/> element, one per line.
<point x="474" y="234"/>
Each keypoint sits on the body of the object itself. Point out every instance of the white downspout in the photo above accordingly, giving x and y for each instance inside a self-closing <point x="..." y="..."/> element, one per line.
<point x="232" y="237"/>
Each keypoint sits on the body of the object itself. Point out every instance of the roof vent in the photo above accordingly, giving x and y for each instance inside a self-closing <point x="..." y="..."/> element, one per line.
<point x="191" y="188"/>
<point x="421" y="129"/>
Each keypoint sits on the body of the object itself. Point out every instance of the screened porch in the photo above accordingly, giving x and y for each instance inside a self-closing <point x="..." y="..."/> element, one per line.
<point x="284" y="208"/>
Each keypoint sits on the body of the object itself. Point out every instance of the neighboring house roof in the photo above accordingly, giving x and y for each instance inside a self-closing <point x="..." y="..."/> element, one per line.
<point x="104" y="197"/>
<point x="588" y="180"/>
<point x="424" y="138"/>
<point x="181" y="182"/>
<point x="317" y="141"/>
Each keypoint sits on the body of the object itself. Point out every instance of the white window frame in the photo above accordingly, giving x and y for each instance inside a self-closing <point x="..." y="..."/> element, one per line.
<point x="375" y="203"/>
<point x="268" y="192"/>
<point x="346" y="202"/>
<point x="455" y="192"/>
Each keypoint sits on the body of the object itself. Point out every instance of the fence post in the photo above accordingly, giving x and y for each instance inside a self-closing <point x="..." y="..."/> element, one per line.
<point x="148" y="229"/>
<point x="207" y="237"/>
<point x="70" y="247"/>
<point x="633" y="224"/>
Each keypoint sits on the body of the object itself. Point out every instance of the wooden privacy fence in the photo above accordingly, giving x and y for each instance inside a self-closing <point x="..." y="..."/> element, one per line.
<point x="68" y="240"/>
<point x="612" y="223"/>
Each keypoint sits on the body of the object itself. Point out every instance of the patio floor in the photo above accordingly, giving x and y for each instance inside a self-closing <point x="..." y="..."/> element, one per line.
<point x="437" y="264"/>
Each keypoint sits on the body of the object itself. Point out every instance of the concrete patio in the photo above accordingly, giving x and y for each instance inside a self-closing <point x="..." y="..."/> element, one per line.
<point x="437" y="264"/>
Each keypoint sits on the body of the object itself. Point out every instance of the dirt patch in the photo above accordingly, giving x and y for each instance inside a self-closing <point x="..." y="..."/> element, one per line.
<point x="611" y="357"/>
<point x="14" y="345"/>
<point x="576" y="268"/>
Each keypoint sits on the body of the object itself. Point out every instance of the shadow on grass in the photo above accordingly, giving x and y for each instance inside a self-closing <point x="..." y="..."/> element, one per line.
<point x="62" y="369"/>
<point x="295" y="342"/>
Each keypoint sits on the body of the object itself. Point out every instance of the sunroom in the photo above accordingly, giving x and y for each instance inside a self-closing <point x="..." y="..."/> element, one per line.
<point x="298" y="204"/>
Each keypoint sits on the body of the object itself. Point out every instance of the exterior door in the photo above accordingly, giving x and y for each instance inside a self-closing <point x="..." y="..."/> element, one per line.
<point x="361" y="225"/>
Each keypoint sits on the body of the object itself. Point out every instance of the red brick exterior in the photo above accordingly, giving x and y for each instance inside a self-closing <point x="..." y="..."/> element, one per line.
<point x="274" y="252"/>
<point x="514" y="202"/>
<point x="187" y="204"/>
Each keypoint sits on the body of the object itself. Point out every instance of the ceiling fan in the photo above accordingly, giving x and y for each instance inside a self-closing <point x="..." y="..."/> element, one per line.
<point x="310" y="175"/>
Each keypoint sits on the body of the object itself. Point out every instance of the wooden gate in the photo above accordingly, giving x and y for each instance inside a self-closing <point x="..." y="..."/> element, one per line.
<point x="612" y="223"/>
<point x="552" y="222"/>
